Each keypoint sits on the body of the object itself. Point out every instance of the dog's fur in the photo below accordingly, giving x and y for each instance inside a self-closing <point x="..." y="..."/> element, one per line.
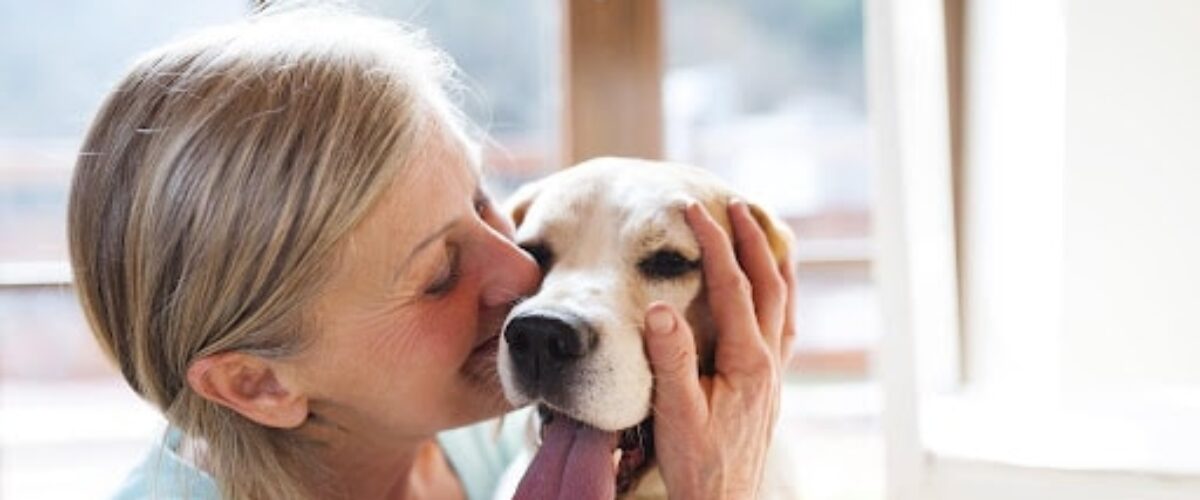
<point x="598" y="223"/>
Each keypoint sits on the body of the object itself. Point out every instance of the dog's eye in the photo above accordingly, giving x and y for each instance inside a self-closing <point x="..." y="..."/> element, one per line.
<point x="540" y="253"/>
<point x="666" y="264"/>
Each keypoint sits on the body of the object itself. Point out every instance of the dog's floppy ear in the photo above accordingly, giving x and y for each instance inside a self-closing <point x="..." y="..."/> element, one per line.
<point x="518" y="204"/>
<point x="778" y="234"/>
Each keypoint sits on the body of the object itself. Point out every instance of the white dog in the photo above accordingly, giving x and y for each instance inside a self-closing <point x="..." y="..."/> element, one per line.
<point x="611" y="238"/>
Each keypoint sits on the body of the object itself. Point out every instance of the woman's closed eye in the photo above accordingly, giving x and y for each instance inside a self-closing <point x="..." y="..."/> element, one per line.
<point x="450" y="272"/>
<point x="447" y="277"/>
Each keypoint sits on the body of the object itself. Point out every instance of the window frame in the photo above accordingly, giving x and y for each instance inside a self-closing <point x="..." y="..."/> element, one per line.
<point x="945" y="436"/>
<point x="617" y="44"/>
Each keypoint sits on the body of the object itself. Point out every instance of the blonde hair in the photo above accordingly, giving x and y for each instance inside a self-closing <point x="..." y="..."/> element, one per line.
<point x="212" y="192"/>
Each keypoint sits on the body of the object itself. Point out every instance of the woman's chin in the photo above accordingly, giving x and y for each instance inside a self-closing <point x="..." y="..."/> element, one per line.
<point x="479" y="404"/>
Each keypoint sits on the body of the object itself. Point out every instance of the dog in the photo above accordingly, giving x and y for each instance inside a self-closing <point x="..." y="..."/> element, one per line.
<point x="610" y="237"/>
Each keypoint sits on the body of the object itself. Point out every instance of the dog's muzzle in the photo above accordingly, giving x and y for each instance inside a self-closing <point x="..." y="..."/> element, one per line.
<point x="545" y="350"/>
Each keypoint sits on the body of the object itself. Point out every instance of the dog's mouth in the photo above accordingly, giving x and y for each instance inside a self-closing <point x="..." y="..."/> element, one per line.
<point x="576" y="460"/>
<point x="637" y="454"/>
<point x="634" y="452"/>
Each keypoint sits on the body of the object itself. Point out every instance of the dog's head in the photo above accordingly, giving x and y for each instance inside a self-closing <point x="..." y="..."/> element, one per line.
<point x="610" y="237"/>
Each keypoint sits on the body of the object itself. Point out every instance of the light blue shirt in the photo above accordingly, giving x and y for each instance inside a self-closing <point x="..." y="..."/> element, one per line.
<point x="479" y="454"/>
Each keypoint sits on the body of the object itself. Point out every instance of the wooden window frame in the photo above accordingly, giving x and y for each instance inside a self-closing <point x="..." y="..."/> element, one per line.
<point x="612" y="64"/>
<point x="612" y="71"/>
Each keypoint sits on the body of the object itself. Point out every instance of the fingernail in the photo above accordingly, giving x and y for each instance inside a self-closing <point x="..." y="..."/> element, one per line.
<point x="739" y="205"/>
<point x="660" y="320"/>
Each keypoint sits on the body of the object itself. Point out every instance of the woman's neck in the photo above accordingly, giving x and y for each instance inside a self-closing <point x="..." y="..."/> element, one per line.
<point x="413" y="469"/>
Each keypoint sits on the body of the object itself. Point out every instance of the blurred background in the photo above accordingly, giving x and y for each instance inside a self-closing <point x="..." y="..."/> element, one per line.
<point x="769" y="94"/>
<point x="995" y="202"/>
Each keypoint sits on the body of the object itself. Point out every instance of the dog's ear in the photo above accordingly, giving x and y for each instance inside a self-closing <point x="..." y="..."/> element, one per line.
<point x="778" y="234"/>
<point x="518" y="204"/>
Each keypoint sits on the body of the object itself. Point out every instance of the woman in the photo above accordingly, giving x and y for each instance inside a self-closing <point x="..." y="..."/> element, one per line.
<point x="279" y="235"/>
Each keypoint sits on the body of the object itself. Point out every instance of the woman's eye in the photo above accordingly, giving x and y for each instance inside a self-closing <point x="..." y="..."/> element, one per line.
<point x="666" y="264"/>
<point x="446" y="279"/>
<point x="540" y="253"/>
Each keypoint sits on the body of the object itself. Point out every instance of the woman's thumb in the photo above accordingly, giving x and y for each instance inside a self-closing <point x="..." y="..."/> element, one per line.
<point x="671" y="349"/>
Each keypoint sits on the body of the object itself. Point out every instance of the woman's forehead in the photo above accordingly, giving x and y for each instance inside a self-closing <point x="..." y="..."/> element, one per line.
<point x="427" y="195"/>
<point x="430" y="190"/>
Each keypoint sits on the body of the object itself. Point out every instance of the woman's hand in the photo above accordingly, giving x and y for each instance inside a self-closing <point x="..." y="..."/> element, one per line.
<point x="712" y="433"/>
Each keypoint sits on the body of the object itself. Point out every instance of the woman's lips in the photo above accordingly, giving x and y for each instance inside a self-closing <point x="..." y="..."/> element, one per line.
<point x="481" y="362"/>
<point x="489" y="346"/>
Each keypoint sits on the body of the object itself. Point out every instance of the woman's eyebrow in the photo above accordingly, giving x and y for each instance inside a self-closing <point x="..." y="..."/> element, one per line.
<point x="424" y="243"/>
<point x="477" y="193"/>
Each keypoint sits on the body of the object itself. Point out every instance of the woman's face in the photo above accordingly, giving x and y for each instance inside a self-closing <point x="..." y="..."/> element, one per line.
<point x="408" y="323"/>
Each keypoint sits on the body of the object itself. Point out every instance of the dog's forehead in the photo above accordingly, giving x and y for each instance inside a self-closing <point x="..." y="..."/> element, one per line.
<point x="628" y="199"/>
<point x="628" y="186"/>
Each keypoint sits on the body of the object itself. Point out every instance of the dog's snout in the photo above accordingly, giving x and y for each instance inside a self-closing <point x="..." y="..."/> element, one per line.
<point x="544" y="348"/>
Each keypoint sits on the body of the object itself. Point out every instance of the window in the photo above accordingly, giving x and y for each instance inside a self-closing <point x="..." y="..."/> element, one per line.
<point x="767" y="93"/>
<point x="770" y="95"/>
<point x="57" y="61"/>
<point x="1034" y="249"/>
<point x="508" y="52"/>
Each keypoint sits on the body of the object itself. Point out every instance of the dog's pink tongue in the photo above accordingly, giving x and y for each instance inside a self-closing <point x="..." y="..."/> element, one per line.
<point x="574" y="462"/>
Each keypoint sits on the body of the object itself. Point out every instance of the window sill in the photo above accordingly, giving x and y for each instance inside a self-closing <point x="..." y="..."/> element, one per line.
<point x="1153" y="433"/>
<point x="54" y="413"/>
<point x="35" y="273"/>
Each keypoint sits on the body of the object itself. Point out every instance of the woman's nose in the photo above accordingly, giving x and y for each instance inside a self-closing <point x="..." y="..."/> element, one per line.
<point x="510" y="272"/>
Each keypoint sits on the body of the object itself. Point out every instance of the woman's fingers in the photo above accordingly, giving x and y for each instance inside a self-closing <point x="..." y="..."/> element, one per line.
<point x="740" y="346"/>
<point x="768" y="287"/>
<point x="671" y="348"/>
<point x="714" y="439"/>
<point x="787" y="269"/>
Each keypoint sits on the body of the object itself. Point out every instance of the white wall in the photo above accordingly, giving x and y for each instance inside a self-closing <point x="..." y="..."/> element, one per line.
<point x="958" y="480"/>
<point x="1082" y="342"/>
<point x="1082" y="190"/>
<point x="1132" y="197"/>
<point x="1012" y="229"/>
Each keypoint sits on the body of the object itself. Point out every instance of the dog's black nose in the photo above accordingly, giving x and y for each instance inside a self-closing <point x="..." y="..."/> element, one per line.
<point x="544" y="348"/>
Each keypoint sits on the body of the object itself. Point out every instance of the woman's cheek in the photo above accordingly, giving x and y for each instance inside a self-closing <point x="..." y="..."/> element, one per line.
<point x="394" y="344"/>
<point x="446" y="332"/>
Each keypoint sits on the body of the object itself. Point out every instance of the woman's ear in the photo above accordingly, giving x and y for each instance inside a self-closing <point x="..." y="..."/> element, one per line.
<point x="250" y="385"/>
